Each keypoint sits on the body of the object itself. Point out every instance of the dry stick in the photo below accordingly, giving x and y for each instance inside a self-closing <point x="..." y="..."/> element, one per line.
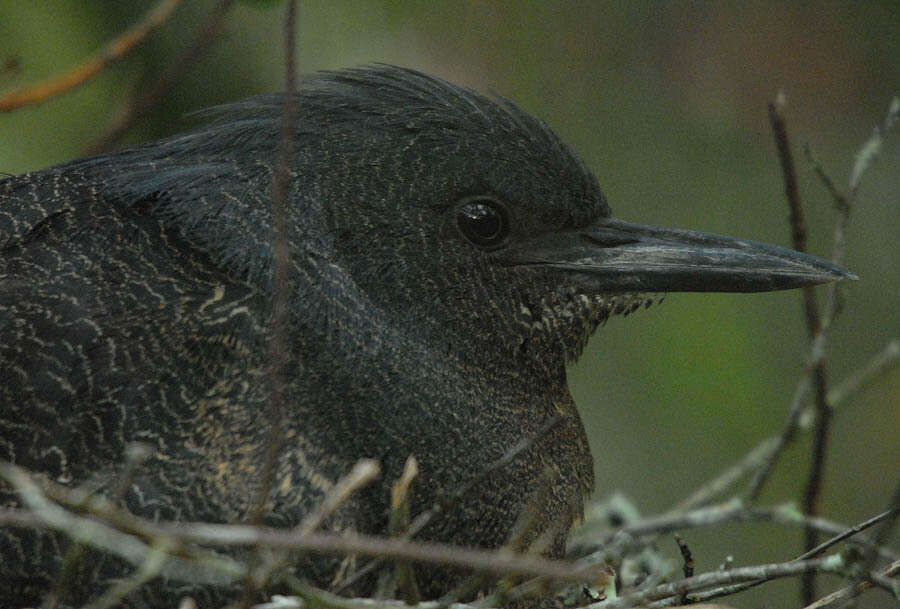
<point x="735" y="511"/>
<point x="517" y="542"/>
<point x="135" y="454"/>
<point x="868" y="559"/>
<point x="875" y="546"/>
<point x="762" y="456"/>
<point x="814" y="329"/>
<point x="404" y="580"/>
<point x="446" y="503"/>
<point x="687" y="567"/>
<point x="718" y="578"/>
<point x="856" y="589"/>
<point x="281" y="264"/>
<point x="149" y="569"/>
<point x="150" y="96"/>
<point x="119" y="541"/>
<point x="780" y="442"/>
<point x="42" y="91"/>
<point x="844" y="204"/>
<point x="316" y="597"/>
<point x="370" y="545"/>
<point x="771" y="448"/>
<point x="364" y="472"/>
<point x="123" y="540"/>
<point x="864" y="157"/>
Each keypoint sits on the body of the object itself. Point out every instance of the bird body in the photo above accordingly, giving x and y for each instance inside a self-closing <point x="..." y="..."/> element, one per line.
<point x="448" y="257"/>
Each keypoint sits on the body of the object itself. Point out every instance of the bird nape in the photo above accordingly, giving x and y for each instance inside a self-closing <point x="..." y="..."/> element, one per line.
<point x="448" y="256"/>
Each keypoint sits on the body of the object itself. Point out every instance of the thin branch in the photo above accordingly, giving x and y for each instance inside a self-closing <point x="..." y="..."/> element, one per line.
<point x="191" y="563"/>
<point x="316" y="597"/>
<point x="363" y="473"/>
<point x="687" y="567"/>
<point x="152" y="95"/>
<point x="135" y="455"/>
<point x="777" y="444"/>
<point x="148" y="569"/>
<point x="718" y="578"/>
<point x="404" y="580"/>
<point x="884" y="361"/>
<point x="40" y="92"/>
<point x="853" y="590"/>
<point x="126" y="545"/>
<point x="735" y="511"/>
<point x="867" y="561"/>
<point x="875" y="546"/>
<point x="763" y="456"/>
<point x="814" y="329"/>
<point x="279" y="353"/>
<point x="446" y="503"/>
<point x="791" y="515"/>
<point x="371" y="545"/>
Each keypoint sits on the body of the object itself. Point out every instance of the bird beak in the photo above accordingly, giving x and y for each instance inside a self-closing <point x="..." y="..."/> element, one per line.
<point x="616" y="256"/>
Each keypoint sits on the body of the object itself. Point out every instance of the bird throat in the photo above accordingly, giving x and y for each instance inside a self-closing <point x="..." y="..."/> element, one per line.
<point x="563" y="321"/>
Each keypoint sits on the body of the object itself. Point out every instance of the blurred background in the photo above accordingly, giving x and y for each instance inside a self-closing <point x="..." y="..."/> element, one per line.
<point x="667" y="103"/>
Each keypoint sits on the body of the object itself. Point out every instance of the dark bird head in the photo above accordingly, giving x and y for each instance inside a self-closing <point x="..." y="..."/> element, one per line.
<point x="450" y="213"/>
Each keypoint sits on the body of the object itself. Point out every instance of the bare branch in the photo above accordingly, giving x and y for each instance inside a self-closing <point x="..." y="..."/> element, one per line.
<point x="152" y="95"/>
<point x="38" y="93"/>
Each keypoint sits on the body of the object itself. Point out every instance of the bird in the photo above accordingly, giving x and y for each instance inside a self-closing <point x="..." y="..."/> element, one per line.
<point x="448" y="256"/>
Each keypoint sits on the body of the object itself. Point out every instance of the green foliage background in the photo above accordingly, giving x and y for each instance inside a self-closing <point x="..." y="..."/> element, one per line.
<point x="666" y="101"/>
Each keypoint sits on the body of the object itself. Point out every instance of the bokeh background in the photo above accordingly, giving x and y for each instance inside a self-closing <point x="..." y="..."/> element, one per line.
<point x="666" y="101"/>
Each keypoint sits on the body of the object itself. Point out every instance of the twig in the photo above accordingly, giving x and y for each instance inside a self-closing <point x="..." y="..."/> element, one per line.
<point x="279" y="354"/>
<point x="522" y="446"/>
<point x="278" y="350"/>
<point x="115" y="50"/>
<point x="873" y="546"/>
<point x="885" y="360"/>
<point x="370" y="545"/>
<point x="195" y="565"/>
<point x="814" y="329"/>
<point x="149" y="569"/>
<point x="125" y="545"/>
<point x="780" y="442"/>
<point x="404" y="580"/>
<point x="854" y="589"/>
<point x="868" y="559"/>
<point x="762" y="457"/>
<point x="718" y="578"/>
<point x="447" y="502"/>
<point x="364" y="472"/>
<point x="150" y="96"/>
<point x="520" y="539"/>
<point x="789" y="514"/>
<point x="735" y="511"/>
<point x="687" y="564"/>
<point x="316" y="597"/>
<point x="135" y="454"/>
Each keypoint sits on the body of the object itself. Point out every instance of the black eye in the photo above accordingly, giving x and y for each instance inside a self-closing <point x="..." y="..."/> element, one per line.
<point x="482" y="221"/>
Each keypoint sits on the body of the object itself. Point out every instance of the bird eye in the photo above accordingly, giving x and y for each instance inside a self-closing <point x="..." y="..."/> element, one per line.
<point x="482" y="221"/>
